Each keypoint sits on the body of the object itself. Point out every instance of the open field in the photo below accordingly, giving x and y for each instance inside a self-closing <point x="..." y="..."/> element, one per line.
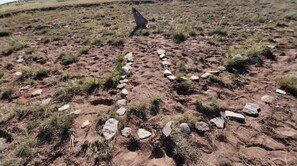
<point x="72" y="54"/>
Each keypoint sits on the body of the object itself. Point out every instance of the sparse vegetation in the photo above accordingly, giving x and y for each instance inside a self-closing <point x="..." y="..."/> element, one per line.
<point x="210" y="107"/>
<point x="67" y="58"/>
<point x="7" y="92"/>
<point x="182" y="85"/>
<point x="178" y="36"/>
<point x="288" y="83"/>
<point x="138" y="111"/>
<point x="155" y="106"/>
<point x="216" y="79"/>
<point x="117" y="42"/>
<point x="12" y="45"/>
<point x="4" y="33"/>
<point x="84" y="50"/>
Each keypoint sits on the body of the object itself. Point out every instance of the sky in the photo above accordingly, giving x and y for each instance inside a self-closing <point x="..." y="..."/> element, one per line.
<point x="4" y="1"/>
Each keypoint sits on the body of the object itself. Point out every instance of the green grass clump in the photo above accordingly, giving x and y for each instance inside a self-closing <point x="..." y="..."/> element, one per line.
<point x="220" y="31"/>
<point x="178" y="36"/>
<point x="12" y="45"/>
<point x="98" y="41"/>
<point x="182" y="85"/>
<point x="7" y="92"/>
<point x="67" y="58"/>
<point x="138" y="111"/>
<point x="4" y="33"/>
<point x="55" y="129"/>
<point x="288" y="83"/>
<point x="84" y="50"/>
<point x="42" y="73"/>
<point x="216" y="79"/>
<point x="183" y="68"/>
<point x="117" y="42"/>
<point x="66" y="93"/>
<point x="89" y="85"/>
<point x="25" y="148"/>
<point x="210" y="108"/>
<point x="155" y="106"/>
<point x="112" y="79"/>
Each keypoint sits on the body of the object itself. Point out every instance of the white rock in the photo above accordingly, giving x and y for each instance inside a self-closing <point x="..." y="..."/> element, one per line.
<point x="121" y="86"/>
<point x="37" y="92"/>
<point x="25" y="87"/>
<point x="280" y="91"/>
<point x="194" y="78"/>
<point x="85" y="124"/>
<point x="124" y="81"/>
<point x="129" y="57"/>
<point x="237" y="57"/>
<point x="219" y="122"/>
<point x="221" y="68"/>
<point x="142" y="133"/>
<point x="76" y="112"/>
<point x="214" y="72"/>
<point x="64" y="107"/>
<point x="251" y="109"/>
<point x="234" y="116"/>
<point x="126" y="131"/>
<point x="171" y="77"/>
<point x="205" y="75"/>
<point x="161" y="51"/>
<point x="121" y="111"/>
<point x="167" y="73"/>
<point x="122" y="102"/>
<point x="123" y="77"/>
<point x="166" y="64"/>
<point x="184" y="78"/>
<point x="271" y="46"/>
<point x="20" y="60"/>
<point x="127" y="69"/>
<point x="164" y="59"/>
<point x="110" y="128"/>
<point x="18" y="73"/>
<point x="267" y="98"/>
<point x="124" y="92"/>
<point x="162" y="56"/>
<point x="167" y="129"/>
<point x="46" y="101"/>
<point x="185" y="128"/>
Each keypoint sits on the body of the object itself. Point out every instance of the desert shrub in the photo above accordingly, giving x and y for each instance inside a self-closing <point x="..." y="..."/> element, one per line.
<point x="288" y="83"/>
<point x="178" y="36"/>
<point x="139" y="111"/>
<point x="67" y="58"/>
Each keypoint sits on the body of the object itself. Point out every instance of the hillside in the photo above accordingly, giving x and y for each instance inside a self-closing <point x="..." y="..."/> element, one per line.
<point x="207" y="83"/>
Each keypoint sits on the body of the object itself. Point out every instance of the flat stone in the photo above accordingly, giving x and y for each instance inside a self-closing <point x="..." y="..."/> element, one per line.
<point x="267" y="98"/>
<point x="271" y="46"/>
<point x="221" y="68"/>
<point x="37" y="92"/>
<point x="121" y="111"/>
<point x="127" y="69"/>
<point x="76" y="112"/>
<point x="121" y="86"/>
<point x="64" y="107"/>
<point x="122" y="102"/>
<point x="162" y="56"/>
<point x="194" y="78"/>
<point x="281" y="91"/>
<point x="124" y="92"/>
<point x="20" y="60"/>
<point x="184" y="78"/>
<point x="202" y="126"/>
<point x="123" y="77"/>
<point x="129" y="57"/>
<point x="142" y="133"/>
<point x="214" y="72"/>
<point x="161" y="51"/>
<point x="166" y="64"/>
<point x="185" y="128"/>
<point x="18" y="73"/>
<point x="205" y="75"/>
<point x="219" y="122"/>
<point x="251" y="109"/>
<point x="124" y="81"/>
<point x="25" y="87"/>
<point x="171" y="77"/>
<point x="126" y="131"/>
<point x="85" y="124"/>
<point x="237" y="58"/>
<point x="164" y="59"/>
<point x="234" y="116"/>
<point x="167" y="73"/>
<point x="167" y="129"/>
<point x="110" y="128"/>
<point x="46" y="101"/>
